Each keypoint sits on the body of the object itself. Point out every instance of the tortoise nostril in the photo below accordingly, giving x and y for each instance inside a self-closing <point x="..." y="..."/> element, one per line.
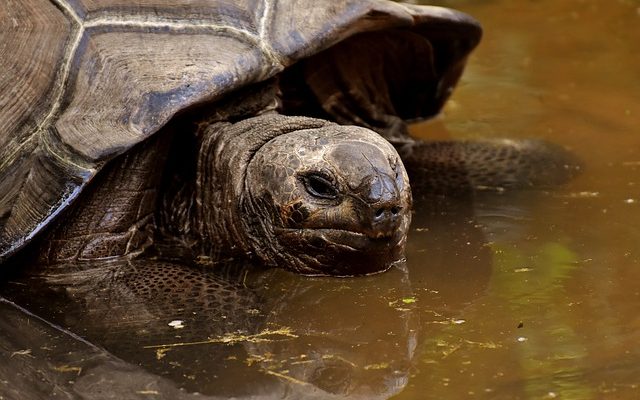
<point x="386" y="214"/>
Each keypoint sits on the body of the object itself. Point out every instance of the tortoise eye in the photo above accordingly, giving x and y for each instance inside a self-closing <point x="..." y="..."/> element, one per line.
<point x="320" y="187"/>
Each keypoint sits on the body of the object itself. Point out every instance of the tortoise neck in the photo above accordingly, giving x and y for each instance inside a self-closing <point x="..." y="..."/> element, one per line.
<point x="205" y="172"/>
<point x="213" y="211"/>
<point x="201" y="205"/>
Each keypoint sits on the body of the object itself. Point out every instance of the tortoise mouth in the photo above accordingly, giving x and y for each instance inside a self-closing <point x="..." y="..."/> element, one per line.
<point x="348" y="240"/>
<point x="340" y="252"/>
<point x="355" y="240"/>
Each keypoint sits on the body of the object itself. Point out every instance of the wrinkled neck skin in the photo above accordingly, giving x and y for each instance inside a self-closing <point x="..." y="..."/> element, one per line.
<point x="215" y="213"/>
<point x="225" y="214"/>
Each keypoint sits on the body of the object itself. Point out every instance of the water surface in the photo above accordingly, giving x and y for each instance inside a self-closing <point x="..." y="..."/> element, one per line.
<point x="558" y="317"/>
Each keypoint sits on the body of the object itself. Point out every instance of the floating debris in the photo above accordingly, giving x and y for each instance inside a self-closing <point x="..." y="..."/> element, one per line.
<point x="67" y="368"/>
<point x="409" y="300"/>
<point x="287" y="377"/>
<point x="26" y="352"/>
<point x="148" y="392"/>
<point x="233" y="339"/>
<point x="161" y="353"/>
<point x="176" y="324"/>
<point x="483" y="345"/>
<point x="382" y="365"/>
<point x="582" y="195"/>
<point x="450" y="350"/>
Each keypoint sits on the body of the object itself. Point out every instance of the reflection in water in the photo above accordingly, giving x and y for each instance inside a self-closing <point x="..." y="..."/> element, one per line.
<point x="214" y="332"/>
<point x="356" y="337"/>
<point x="240" y="331"/>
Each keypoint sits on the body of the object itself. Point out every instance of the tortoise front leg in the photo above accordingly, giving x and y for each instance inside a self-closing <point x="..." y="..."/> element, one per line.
<point x="458" y="167"/>
<point x="114" y="216"/>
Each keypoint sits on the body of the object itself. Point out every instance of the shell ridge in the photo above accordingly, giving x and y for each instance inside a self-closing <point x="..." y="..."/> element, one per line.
<point x="77" y="34"/>
<point x="267" y="49"/>
<point x="60" y="80"/>
<point x="266" y="15"/>
<point x="135" y="21"/>
<point x="67" y="10"/>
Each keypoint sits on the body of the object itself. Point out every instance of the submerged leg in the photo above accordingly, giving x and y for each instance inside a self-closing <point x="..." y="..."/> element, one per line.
<point x="450" y="167"/>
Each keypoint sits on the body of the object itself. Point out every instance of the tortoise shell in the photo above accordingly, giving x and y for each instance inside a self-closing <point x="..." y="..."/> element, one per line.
<point x="82" y="81"/>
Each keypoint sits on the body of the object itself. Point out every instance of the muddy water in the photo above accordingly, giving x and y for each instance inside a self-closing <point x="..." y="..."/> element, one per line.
<point x="527" y="295"/>
<point x="559" y="314"/>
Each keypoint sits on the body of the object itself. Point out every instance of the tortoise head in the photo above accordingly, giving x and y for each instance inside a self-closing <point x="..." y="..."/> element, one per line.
<point x="331" y="200"/>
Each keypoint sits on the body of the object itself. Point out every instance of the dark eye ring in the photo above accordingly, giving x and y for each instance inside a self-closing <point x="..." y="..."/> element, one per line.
<point x="319" y="186"/>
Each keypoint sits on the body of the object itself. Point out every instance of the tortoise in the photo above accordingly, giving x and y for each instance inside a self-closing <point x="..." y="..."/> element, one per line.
<point x="258" y="129"/>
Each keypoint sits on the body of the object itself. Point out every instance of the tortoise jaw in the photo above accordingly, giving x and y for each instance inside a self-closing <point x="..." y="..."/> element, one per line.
<point x="339" y="252"/>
